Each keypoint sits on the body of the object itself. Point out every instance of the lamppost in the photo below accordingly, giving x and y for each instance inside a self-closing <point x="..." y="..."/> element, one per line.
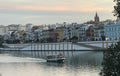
<point x="107" y="42"/>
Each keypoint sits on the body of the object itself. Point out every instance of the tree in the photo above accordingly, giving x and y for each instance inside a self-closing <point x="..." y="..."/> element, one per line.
<point x="111" y="61"/>
<point x="49" y="39"/>
<point x="111" y="56"/>
<point x="74" y="38"/>
<point x="1" y="41"/>
<point x="103" y="38"/>
<point x="117" y="9"/>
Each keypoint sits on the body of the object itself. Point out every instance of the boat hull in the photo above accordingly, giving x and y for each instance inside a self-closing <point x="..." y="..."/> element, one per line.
<point x="55" y="60"/>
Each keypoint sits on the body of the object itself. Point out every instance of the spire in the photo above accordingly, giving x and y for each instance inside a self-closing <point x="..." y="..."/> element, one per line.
<point x="96" y="15"/>
<point x="96" y="18"/>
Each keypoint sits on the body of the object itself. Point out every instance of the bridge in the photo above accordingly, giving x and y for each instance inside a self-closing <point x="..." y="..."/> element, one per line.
<point x="62" y="46"/>
<point x="41" y="50"/>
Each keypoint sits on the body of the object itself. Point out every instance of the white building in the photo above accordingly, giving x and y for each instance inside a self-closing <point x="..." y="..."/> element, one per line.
<point x="19" y="27"/>
<point x="67" y="32"/>
<point x="78" y="30"/>
<point x="82" y="32"/>
<point x="28" y="27"/>
<point x="112" y="31"/>
<point x="22" y="28"/>
<point x="3" y="29"/>
<point x="98" y="32"/>
<point x="6" y="37"/>
<point x="70" y="31"/>
<point x="38" y="33"/>
<point x="13" y="27"/>
<point x="74" y="30"/>
<point x="29" y="36"/>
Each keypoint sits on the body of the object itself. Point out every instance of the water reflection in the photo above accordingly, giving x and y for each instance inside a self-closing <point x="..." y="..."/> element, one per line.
<point x="77" y="64"/>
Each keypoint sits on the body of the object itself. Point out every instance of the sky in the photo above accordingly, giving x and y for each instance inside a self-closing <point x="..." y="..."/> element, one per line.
<point x="53" y="11"/>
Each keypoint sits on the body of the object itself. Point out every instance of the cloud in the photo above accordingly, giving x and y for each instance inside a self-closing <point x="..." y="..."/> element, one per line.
<point x="51" y="11"/>
<point x="52" y="8"/>
<point x="42" y="8"/>
<point x="33" y="7"/>
<point x="58" y="5"/>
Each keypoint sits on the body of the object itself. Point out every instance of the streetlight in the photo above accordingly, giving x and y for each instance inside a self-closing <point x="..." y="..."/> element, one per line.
<point x="107" y="42"/>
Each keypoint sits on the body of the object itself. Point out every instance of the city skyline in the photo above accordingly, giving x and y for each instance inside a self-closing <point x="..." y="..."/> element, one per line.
<point x="52" y="11"/>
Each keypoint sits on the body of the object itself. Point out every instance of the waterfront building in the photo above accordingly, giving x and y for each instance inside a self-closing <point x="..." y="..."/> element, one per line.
<point x="3" y="30"/>
<point x="98" y="32"/>
<point x="90" y="33"/>
<point x="22" y="28"/>
<point x="71" y="31"/>
<point x="29" y="37"/>
<point x="6" y="37"/>
<point x="35" y="28"/>
<point x="95" y="31"/>
<point x="13" y="27"/>
<point x="38" y="34"/>
<point x="75" y="30"/>
<point x="82" y="32"/>
<point x="28" y="27"/>
<point x="22" y="35"/>
<point x="60" y="33"/>
<point x="112" y="31"/>
<point x="54" y="35"/>
<point x="47" y="35"/>
<point x="67" y="32"/>
<point x="53" y="26"/>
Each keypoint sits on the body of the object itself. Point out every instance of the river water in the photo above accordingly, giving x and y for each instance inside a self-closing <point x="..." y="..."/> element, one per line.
<point x="77" y="64"/>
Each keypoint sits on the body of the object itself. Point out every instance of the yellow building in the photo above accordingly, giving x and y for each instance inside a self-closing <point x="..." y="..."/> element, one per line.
<point x="60" y="33"/>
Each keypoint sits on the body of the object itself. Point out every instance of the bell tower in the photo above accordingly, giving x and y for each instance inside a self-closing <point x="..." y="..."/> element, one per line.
<point x="96" y="18"/>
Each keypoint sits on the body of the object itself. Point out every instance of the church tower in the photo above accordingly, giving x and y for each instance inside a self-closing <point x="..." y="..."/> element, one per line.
<point x="96" y="18"/>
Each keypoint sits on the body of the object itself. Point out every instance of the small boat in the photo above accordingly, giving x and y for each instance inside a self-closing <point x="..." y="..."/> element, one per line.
<point x="56" y="58"/>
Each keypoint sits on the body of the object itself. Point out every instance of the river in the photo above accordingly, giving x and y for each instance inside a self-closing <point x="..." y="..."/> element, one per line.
<point x="77" y="64"/>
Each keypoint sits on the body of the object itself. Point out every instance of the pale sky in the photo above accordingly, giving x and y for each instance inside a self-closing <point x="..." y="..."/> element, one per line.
<point x="53" y="11"/>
